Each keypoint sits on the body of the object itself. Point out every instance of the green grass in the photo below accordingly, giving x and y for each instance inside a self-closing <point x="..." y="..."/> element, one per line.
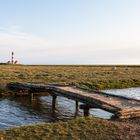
<point x="94" y="77"/>
<point x="78" y="129"/>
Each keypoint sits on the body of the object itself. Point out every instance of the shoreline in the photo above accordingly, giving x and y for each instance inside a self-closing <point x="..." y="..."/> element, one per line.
<point x="79" y="128"/>
<point x="92" y="77"/>
<point x="3" y="87"/>
<point x="5" y="92"/>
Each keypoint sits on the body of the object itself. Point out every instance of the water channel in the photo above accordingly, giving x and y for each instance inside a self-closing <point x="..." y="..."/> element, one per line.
<point x="21" y="111"/>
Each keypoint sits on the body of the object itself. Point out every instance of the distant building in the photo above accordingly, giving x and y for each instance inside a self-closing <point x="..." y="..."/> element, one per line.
<point x="12" y="60"/>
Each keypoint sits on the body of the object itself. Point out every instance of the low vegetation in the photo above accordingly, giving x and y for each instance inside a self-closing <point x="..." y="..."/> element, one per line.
<point x="78" y="129"/>
<point x="93" y="77"/>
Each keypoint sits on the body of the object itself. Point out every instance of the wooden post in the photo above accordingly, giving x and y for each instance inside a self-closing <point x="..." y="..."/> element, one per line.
<point x="31" y="95"/>
<point x="54" y="102"/>
<point x="15" y="94"/>
<point x="86" y="112"/>
<point x="76" y="108"/>
<point x="85" y="109"/>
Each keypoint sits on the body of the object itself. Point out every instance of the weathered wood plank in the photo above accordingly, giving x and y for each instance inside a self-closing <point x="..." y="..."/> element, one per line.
<point x="120" y="106"/>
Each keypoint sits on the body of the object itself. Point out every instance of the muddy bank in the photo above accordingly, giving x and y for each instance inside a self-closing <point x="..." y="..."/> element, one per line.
<point x="3" y="86"/>
<point x="4" y="92"/>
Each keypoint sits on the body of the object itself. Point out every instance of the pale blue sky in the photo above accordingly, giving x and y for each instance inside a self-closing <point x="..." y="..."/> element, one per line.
<point x="70" y="31"/>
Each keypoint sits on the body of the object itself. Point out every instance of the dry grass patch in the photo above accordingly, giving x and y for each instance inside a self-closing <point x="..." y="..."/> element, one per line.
<point x="94" y="77"/>
<point x="78" y="129"/>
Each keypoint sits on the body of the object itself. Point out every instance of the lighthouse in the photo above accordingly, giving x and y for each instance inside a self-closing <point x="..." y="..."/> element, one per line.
<point x="12" y="58"/>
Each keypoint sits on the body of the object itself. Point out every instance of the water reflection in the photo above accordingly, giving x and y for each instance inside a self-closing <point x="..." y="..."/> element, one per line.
<point x="133" y="93"/>
<point x="21" y="111"/>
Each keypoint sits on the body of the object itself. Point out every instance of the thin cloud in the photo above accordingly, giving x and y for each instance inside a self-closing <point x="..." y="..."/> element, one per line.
<point x="28" y="48"/>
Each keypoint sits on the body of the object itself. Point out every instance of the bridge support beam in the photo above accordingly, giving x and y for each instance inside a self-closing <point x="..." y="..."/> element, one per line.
<point x="76" y="108"/>
<point x="85" y="109"/>
<point x="54" y="102"/>
<point x="15" y="94"/>
<point x="86" y="112"/>
<point x="31" y="95"/>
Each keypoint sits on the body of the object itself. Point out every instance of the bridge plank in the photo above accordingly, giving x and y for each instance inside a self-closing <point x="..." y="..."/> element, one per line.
<point x="120" y="106"/>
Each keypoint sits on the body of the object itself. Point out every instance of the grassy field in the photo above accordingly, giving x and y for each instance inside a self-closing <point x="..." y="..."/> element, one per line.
<point x="94" y="77"/>
<point x="78" y="129"/>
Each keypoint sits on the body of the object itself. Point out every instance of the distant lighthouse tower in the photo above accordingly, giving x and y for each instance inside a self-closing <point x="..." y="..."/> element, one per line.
<point x="13" y="61"/>
<point x="12" y="58"/>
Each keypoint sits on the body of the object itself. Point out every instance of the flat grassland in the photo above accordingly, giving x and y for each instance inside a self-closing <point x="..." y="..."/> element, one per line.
<point x="94" y="77"/>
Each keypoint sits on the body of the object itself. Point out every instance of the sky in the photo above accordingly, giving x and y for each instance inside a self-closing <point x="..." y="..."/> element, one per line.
<point x="70" y="31"/>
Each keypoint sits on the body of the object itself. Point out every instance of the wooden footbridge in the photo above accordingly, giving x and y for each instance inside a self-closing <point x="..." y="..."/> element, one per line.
<point x="121" y="107"/>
